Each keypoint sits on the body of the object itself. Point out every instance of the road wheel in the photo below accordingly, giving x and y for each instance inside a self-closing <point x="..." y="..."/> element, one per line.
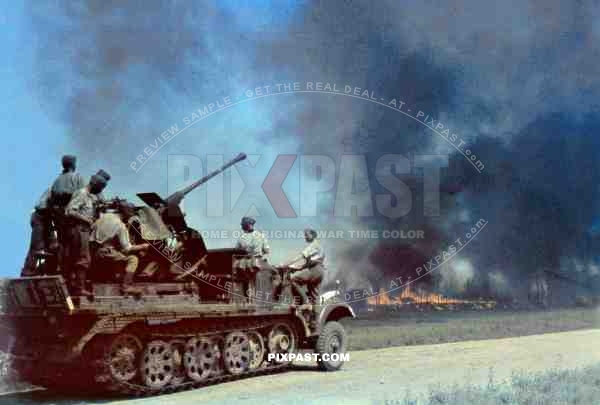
<point x="257" y="350"/>
<point x="282" y="340"/>
<point x="123" y="357"/>
<point x="157" y="364"/>
<point x="237" y="353"/>
<point x="202" y="358"/>
<point x="332" y="340"/>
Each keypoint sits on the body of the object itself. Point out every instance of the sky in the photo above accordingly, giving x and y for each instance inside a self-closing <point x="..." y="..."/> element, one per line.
<point x="517" y="80"/>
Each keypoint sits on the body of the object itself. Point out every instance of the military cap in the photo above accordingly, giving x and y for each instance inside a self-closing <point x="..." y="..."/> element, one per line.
<point x="68" y="161"/>
<point x="310" y="231"/>
<point x="99" y="180"/>
<point x="125" y="208"/>
<point x="103" y="174"/>
<point x="248" y="220"/>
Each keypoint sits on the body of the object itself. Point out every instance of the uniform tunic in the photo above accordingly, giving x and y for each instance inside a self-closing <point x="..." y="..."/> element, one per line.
<point x="257" y="248"/>
<point x="313" y="255"/>
<point x="312" y="270"/>
<point x="84" y="203"/>
<point x="254" y="243"/>
<point x="64" y="188"/>
<point x="77" y="249"/>
<point x="110" y="238"/>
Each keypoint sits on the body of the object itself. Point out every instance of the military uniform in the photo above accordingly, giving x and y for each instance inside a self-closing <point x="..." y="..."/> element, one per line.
<point x="257" y="248"/>
<point x="76" y="251"/>
<point x="63" y="188"/>
<point x="311" y="272"/>
<point x="61" y="192"/>
<point x="109" y="242"/>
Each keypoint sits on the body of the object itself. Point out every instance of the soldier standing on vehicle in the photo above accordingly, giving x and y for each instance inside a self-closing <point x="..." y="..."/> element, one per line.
<point x="309" y="269"/>
<point x="42" y="241"/>
<point x="61" y="191"/>
<point x="252" y="240"/>
<point x="258" y="250"/>
<point x="111" y="246"/>
<point x="81" y="213"/>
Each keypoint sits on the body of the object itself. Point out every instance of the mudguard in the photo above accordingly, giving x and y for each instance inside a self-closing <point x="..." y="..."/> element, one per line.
<point x="335" y="312"/>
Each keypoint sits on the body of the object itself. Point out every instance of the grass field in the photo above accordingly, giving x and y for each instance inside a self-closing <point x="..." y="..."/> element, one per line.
<point x="379" y="330"/>
<point x="577" y="387"/>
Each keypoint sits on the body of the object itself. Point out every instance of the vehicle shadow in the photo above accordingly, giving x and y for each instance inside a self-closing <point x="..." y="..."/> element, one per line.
<point x="307" y="367"/>
<point x="43" y="396"/>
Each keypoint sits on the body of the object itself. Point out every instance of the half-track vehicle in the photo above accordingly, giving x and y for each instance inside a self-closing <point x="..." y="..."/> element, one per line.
<point x="199" y="320"/>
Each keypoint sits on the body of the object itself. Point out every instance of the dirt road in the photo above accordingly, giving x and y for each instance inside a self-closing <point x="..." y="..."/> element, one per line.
<point x="384" y="375"/>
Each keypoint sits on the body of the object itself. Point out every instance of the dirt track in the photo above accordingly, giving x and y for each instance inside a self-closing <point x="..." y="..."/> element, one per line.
<point x="375" y="376"/>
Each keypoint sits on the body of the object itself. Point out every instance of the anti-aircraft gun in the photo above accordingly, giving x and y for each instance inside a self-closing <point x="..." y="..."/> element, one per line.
<point x="169" y="208"/>
<point x="171" y="336"/>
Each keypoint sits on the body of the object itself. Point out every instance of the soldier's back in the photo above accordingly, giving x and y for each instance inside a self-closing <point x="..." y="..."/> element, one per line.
<point x="64" y="187"/>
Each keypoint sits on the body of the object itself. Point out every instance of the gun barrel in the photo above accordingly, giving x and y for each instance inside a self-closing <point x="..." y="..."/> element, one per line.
<point x="181" y="193"/>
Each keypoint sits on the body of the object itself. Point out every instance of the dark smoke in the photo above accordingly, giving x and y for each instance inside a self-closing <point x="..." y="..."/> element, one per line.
<point x="118" y="72"/>
<point x="544" y="196"/>
<point x="517" y="80"/>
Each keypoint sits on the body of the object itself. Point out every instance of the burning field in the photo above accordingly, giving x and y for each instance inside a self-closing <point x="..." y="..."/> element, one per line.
<point x="414" y="298"/>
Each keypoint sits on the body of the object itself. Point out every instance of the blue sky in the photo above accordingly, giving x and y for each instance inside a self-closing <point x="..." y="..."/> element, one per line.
<point x="32" y="141"/>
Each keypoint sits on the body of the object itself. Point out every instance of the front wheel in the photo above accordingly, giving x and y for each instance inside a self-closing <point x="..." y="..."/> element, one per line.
<point x="332" y="342"/>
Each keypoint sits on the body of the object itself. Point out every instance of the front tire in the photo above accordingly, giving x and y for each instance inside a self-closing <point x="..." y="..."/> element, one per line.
<point x="332" y="340"/>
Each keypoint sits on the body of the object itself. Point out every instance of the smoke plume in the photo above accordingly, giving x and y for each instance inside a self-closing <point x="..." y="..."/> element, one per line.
<point x="518" y="82"/>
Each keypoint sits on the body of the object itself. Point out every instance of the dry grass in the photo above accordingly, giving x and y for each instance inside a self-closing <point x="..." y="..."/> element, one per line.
<point x="581" y="387"/>
<point x="375" y="331"/>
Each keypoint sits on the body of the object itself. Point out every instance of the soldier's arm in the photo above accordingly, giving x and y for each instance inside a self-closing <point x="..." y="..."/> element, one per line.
<point x="126" y="245"/>
<point x="73" y="208"/>
<point x="313" y="253"/>
<point x="296" y="261"/>
<point x="266" y="249"/>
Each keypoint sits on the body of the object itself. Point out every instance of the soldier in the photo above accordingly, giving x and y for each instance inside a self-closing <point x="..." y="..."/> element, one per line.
<point x="308" y="269"/>
<point x="110" y="243"/>
<point x="61" y="191"/>
<point x="258" y="249"/>
<point x="82" y="212"/>
<point x="252" y="240"/>
<point x="42" y="240"/>
<point x="50" y="211"/>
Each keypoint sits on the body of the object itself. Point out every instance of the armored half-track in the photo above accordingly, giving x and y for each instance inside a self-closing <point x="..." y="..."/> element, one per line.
<point x="207" y="321"/>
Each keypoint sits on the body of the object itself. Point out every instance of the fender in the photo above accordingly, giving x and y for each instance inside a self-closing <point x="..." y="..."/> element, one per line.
<point x="335" y="312"/>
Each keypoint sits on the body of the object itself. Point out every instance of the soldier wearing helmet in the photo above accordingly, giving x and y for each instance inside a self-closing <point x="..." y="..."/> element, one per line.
<point x="252" y="240"/>
<point x="257" y="248"/>
<point x="309" y="269"/>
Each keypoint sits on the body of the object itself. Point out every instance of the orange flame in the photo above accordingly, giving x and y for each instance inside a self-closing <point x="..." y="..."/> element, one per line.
<point x="408" y="296"/>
